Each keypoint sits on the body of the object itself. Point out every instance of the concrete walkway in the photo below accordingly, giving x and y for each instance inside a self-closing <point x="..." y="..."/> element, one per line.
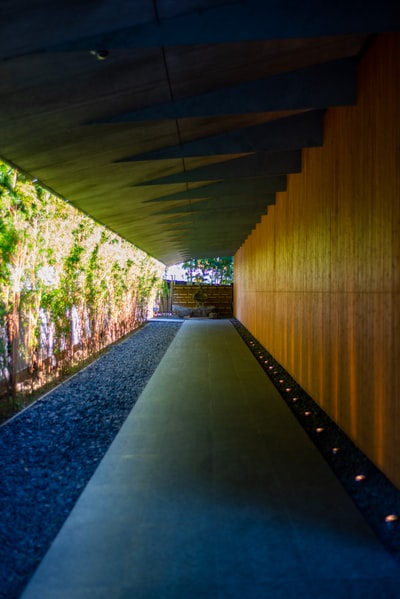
<point x="212" y="489"/>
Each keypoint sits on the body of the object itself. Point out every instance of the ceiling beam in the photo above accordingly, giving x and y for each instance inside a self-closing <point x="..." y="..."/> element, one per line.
<point x="260" y="164"/>
<point x="222" y="202"/>
<point x="241" y="187"/>
<point x="237" y="21"/>
<point x="292" y="133"/>
<point x="318" y="86"/>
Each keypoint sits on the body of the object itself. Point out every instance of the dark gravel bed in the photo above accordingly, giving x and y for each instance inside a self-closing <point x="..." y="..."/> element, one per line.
<point x="374" y="495"/>
<point x="49" y="451"/>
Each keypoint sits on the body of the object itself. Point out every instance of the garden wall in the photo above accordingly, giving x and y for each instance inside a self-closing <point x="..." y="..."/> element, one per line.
<point x="220" y="296"/>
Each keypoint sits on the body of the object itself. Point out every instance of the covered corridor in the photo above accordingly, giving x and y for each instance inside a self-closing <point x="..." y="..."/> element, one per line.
<point x="212" y="489"/>
<point x="266" y="131"/>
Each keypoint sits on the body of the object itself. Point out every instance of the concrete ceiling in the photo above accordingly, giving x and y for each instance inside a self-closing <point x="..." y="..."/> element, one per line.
<point x="174" y="122"/>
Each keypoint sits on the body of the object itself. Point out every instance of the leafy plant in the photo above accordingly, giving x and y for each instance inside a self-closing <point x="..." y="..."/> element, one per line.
<point x="67" y="285"/>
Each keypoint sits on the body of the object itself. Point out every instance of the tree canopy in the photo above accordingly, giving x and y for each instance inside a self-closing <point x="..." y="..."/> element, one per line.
<point x="215" y="271"/>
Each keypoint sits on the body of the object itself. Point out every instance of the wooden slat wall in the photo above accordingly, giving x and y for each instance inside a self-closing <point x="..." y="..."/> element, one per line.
<point x="220" y="296"/>
<point x="318" y="281"/>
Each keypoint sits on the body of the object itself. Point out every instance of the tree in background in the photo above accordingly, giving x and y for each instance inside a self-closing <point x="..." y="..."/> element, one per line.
<point x="68" y="286"/>
<point x="215" y="271"/>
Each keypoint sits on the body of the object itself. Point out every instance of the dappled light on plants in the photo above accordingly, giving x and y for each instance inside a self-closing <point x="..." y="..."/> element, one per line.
<point x="68" y="286"/>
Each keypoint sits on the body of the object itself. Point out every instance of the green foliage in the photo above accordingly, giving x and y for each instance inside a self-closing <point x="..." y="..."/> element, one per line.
<point x="64" y="280"/>
<point x="216" y="271"/>
<point x="8" y="242"/>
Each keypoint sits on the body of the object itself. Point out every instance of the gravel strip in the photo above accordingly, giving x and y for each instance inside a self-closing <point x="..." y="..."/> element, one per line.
<point x="49" y="452"/>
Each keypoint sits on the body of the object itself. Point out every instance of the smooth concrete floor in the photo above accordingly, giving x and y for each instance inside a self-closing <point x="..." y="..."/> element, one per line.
<point x="212" y="489"/>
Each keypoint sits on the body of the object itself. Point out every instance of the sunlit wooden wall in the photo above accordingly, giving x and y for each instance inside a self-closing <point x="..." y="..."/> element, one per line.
<point x="318" y="281"/>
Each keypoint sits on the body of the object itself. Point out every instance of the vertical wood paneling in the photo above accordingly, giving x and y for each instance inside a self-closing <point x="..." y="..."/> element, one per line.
<point x="318" y="281"/>
<point x="392" y="409"/>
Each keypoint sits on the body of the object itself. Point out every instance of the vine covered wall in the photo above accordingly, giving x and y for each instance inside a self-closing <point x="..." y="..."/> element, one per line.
<point x="68" y="286"/>
<point x="318" y="281"/>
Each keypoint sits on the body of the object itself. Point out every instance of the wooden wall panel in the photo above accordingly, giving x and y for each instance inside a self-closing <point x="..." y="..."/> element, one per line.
<point x="220" y="296"/>
<point x="318" y="281"/>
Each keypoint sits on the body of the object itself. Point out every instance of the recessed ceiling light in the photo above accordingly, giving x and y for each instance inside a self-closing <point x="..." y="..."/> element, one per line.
<point x="100" y="54"/>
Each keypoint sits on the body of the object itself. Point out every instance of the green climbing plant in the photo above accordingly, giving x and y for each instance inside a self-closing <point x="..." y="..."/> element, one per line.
<point x="68" y="286"/>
